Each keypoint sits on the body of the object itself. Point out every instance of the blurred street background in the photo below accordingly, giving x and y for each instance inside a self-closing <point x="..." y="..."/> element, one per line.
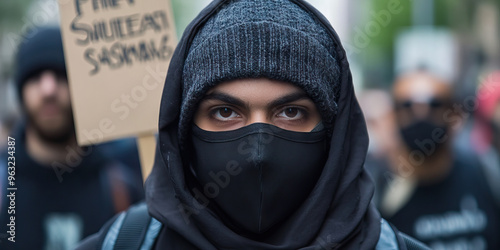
<point x="427" y="76"/>
<point x="459" y="40"/>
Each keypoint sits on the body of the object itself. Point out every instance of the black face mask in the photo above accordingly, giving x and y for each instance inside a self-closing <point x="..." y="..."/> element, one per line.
<point x="419" y="134"/>
<point x="259" y="174"/>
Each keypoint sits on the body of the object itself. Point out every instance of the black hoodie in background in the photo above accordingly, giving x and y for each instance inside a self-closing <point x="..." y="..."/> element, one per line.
<point x="49" y="210"/>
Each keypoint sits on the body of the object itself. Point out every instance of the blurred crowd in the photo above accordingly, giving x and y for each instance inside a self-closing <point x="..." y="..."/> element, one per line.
<point x="434" y="151"/>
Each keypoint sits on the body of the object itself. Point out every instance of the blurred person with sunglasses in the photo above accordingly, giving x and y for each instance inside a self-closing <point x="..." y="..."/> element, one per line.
<point x="429" y="190"/>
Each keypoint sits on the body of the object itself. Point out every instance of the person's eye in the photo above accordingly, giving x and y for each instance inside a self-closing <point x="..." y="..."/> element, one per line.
<point x="224" y="113"/>
<point x="291" y="113"/>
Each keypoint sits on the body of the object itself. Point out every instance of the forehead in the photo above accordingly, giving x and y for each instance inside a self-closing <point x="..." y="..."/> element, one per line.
<point x="420" y="87"/>
<point x="261" y="88"/>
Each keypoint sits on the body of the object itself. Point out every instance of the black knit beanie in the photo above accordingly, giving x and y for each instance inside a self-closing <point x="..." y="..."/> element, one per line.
<point x="40" y="49"/>
<point x="274" y="39"/>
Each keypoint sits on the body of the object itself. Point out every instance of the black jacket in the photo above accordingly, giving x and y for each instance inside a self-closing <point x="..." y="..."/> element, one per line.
<point x="337" y="214"/>
<point x="60" y="204"/>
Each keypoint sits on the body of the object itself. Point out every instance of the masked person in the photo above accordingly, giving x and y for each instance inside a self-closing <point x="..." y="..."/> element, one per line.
<point x="437" y="195"/>
<point x="60" y="192"/>
<point x="261" y="141"/>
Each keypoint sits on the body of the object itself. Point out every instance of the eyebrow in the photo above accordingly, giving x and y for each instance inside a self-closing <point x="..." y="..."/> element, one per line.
<point x="225" y="98"/>
<point x="238" y="102"/>
<point x="289" y="98"/>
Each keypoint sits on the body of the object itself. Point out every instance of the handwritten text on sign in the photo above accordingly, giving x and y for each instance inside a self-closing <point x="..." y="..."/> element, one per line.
<point x="111" y="47"/>
<point x="119" y="28"/>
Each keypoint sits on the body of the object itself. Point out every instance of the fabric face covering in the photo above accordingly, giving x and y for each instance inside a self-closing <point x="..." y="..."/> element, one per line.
<point x="259" y="174"/>
<point x="417" y="132"/>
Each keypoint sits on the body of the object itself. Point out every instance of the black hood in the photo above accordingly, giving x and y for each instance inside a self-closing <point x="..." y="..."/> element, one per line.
<point x="337" y="214"/>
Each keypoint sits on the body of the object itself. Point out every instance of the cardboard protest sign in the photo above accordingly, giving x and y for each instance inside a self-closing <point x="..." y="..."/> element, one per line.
<point x="117" y="54"/>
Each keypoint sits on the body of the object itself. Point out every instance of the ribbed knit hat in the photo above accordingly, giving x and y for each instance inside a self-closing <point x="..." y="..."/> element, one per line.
<point x="275" y="39"/>
<point x="39" y="50"/>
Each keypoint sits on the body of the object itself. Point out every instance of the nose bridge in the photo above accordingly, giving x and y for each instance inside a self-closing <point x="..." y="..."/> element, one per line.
<point x="420" y="110"/>
<point x="258" y="116"/>
<point x="48" y="83"/>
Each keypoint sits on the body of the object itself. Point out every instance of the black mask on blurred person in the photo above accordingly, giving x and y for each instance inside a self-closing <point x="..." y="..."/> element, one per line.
<point x="419" y="134"/>
<point x="259" y="174"/>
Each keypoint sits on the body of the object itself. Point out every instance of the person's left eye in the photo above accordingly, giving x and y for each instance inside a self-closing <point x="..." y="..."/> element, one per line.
<point x="291" y="113"/>
<point x="224" y="114"/>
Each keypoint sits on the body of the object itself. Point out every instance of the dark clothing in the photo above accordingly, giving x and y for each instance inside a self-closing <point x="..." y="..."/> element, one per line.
<point x="56" y="206"/>
<point x="136" y="229"/>
<point x="457" y="213"/>
<point x="337" y="213"/>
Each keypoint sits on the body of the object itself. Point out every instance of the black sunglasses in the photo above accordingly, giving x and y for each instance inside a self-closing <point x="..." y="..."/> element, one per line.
<point x="434" y="103"/>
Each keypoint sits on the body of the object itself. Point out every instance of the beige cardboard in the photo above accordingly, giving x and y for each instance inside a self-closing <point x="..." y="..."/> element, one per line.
<point x="146" y="145"/>
<point x="117" y="54"/>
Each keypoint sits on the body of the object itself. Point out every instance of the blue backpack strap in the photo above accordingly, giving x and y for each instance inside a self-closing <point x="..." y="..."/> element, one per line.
<point x="387" y="239"/>
<point x="411" y="243"/>
<point x="404" y="241"/>
<point x="132" y="230"/>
